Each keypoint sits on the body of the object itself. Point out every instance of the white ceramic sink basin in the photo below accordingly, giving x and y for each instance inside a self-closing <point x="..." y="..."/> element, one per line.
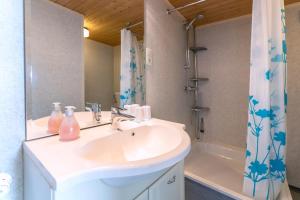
<point x="136" y="144"/>
<point x="109" y="155"/>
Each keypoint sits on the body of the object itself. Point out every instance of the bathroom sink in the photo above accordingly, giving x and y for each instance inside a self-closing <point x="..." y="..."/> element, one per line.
<point x="110" y="155"/>
<point x="136" y="144"/>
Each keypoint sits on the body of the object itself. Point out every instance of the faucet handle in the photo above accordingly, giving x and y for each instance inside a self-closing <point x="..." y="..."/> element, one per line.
<point x="116" y="110"/>
<point x="115" y="123"/>
<point x="88" y="109"/>
<point x="96" y="107"/>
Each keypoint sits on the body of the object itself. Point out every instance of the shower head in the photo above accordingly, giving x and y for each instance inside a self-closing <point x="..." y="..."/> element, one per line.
<point x="189" y="24"/>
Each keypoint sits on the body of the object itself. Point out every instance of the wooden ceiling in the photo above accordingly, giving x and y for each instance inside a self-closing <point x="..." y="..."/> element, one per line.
<point x="105" y="18"/>
<point x="217" y="10"/>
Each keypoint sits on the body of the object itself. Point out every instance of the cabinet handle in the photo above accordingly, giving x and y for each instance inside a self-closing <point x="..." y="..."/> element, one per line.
<point x="171" y="180"/>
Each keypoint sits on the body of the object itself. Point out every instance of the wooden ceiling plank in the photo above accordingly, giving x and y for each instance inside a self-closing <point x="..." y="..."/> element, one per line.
<point x="105" y="18"/>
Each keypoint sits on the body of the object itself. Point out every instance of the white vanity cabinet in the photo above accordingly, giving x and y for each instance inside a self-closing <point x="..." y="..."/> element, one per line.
<point x="170" y="186"/>
<point x="143" y="196"/>
<point x="167" y="184"/>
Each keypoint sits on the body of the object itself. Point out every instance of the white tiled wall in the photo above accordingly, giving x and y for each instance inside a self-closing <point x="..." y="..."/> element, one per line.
<point x="99" y="73"/>
<point x="54" y="49"/>
<point x="226" y="64"/>
<point x="165" y="35"/>
<point x="293" y="136"/>
<point x="12" y="100"/>
<point x="117" y="63"/>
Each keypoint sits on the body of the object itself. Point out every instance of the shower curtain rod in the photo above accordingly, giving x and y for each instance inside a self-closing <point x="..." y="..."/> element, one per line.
<point x="129" y="25"/>
<point x="169" y="11"/>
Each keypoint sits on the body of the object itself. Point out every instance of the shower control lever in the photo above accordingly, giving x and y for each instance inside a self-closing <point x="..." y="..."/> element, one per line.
<point x="190" y="88"/>
<point x="202" y="125"/>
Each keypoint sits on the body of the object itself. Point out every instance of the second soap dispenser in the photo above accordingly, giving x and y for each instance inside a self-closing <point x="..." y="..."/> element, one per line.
<point x="69" y="129"/>
<point x="55" y="119"/>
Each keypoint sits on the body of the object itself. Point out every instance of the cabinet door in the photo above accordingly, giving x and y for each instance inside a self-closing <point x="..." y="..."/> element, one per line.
<point x="143" y="196"/>
<point x="170" y="186"/>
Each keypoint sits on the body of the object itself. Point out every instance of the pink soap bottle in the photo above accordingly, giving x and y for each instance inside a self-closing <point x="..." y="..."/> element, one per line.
<point x="69" y="129"/>
<point x="55" y="119"/>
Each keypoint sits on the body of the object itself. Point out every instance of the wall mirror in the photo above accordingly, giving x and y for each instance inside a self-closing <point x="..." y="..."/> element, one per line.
<point x="73" y="57"/>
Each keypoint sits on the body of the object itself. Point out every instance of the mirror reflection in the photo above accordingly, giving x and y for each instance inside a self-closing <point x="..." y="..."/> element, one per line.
<point x="73" y="58"/>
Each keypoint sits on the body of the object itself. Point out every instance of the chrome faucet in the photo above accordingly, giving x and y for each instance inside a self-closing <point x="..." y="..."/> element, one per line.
<point x="117" y="116"/>
<point x="95" y="108"/>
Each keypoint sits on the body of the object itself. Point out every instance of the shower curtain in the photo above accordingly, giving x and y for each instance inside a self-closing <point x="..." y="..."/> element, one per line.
<point x="265" y="169"/>
<point x="132" y="79"/>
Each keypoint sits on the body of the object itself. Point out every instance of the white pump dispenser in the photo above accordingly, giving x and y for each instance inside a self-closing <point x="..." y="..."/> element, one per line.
<point x="57" y="106"/>
<point x="69" y="110"/>
<point x="69" y="129"/>
<point x="55" y="119"/>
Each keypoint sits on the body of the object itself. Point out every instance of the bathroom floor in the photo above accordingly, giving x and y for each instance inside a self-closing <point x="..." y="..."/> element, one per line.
<point x="195" y="191"/>
<point x="295" y="193"/>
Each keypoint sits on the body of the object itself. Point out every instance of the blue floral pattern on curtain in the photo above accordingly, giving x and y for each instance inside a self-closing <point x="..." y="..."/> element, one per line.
<point x="132" y="78"/>
<point x="265" y="168"/>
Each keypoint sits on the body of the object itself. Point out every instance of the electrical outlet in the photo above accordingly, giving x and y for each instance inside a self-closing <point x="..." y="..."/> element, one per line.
<point x="149" y="58"/>
<point x="5" y="181"/>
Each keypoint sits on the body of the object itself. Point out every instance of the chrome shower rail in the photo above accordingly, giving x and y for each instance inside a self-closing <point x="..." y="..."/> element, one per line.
<point x="129" y="25"/>
<point x="169" y="11"/>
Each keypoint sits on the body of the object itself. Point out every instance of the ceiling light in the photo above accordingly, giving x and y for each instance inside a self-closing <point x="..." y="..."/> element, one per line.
<point x="86" y="32"/>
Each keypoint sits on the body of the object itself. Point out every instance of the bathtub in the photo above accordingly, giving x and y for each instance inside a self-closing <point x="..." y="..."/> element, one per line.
<point x="219" y="168"/>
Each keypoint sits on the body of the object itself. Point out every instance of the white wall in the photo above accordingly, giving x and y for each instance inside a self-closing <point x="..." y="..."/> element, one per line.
<point x="99" y="73"/>
<point x="54" y="45"/>
<point x="12" y="101"/>
<point x="293" y="136"/>
<point x="226" y="64"/>
<point x="117" y="63"/>
<point x="165" y="79"/>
